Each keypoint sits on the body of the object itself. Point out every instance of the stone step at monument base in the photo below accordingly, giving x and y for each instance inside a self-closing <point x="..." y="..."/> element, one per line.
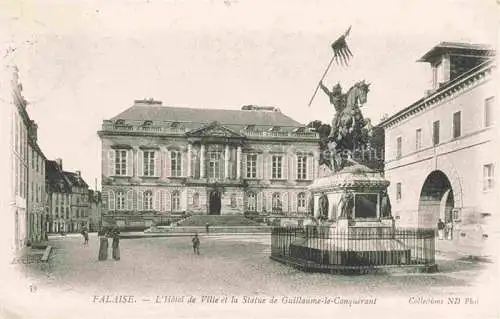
<point x="217" y="220"/>
<point x="352" y="252"/>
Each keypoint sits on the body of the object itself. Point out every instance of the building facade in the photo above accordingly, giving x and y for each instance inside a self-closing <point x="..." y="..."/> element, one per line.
<point x="439" y="151"/>
<point x="161" y="160"/>
<point x="37" y="198"/>
<point x="68" y="199"/>
<point x="15" y="127"/>
<point x="95" y="210"/>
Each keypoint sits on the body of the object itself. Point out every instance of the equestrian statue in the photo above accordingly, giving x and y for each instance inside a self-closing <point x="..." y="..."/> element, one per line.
<point x="349" y="129"/>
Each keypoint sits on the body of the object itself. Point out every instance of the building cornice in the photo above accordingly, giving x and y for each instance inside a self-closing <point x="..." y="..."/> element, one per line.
<point x="450" y="90"/>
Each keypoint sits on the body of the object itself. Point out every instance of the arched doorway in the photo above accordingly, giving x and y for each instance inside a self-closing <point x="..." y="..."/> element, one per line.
<point x="214" y="203"/>
<point x="436" y="200"/>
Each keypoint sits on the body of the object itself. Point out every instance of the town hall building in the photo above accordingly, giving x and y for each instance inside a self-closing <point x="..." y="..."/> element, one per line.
<point x="162" y="160"/>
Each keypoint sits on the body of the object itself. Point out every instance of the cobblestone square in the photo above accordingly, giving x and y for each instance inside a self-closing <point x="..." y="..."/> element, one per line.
<point x="228" y="264"/>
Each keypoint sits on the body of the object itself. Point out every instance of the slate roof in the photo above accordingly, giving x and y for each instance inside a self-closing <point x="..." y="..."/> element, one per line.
<point x="75" y="180"/>
<point x="59" y="181"/>
<point x="55" y="179"/>
<point x="196" y="117"/>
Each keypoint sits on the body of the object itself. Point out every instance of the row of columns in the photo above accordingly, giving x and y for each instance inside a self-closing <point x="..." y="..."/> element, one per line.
<point x="226" y="161"/>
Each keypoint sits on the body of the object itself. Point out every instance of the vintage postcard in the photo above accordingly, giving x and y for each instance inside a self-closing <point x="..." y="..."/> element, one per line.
<point x="249" y="159"/>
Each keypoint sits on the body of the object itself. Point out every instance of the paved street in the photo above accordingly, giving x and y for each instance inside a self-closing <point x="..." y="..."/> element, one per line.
<point x="227" y="265"/>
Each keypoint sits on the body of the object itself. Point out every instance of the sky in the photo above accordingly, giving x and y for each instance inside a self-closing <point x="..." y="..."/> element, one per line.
<point x="82" y="61"/>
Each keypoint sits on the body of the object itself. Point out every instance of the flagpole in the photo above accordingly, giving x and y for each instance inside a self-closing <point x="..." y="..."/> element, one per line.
<point x="341" y="53"/>
<point x="324" y="74"/>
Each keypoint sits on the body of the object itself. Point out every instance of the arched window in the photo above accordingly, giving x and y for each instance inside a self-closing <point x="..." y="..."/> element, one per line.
<point x="147" y="123"/>
<point x="196" y="200"/>
<point x="276" y="202"/>
<point x="176" y="201"/>
<point x="301" y="201"/>
<point x="120" y="200"/>
<point x="148" y="200"/>
<point x="251" y="202"/>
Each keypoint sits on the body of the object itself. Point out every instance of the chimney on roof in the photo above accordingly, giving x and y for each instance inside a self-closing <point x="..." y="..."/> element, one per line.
<point x="147" y="102"/>
<point x="449" y="60"/>
<point x="59" y="163"/>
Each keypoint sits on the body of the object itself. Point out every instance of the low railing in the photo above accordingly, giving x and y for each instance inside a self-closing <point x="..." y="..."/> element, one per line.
<point x="356" y="248"/>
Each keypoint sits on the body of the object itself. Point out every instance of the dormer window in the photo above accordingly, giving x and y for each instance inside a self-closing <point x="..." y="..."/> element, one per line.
<point x="147" y="123"/>
<point x="299" y="129"/>
<point x="120" y="122"/>
<point x="275" y="129"/>
<point x="175" y="125"/>
<point x="250" y="127"/>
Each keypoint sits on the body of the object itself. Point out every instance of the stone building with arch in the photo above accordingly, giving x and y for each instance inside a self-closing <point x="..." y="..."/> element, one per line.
<point x="159" y="161"/>
<point x="440" y="151"/>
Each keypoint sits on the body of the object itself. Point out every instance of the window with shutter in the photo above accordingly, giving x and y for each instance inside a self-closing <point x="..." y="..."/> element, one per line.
<point x="183" y="164"/>
<point x="310" y="167"/>
<point x="157" y="201"/>
<point x="111" y="200"/>
<point x="293" y="169"/>
<point x="259" y="202"/>
<point x="157" y="163"/>
<point x="148" y="200"/>
<point x="176" y="201"/>
<point x="260" y="166"/>
<point x="111" y="163"/>
<point x="293" y="203"/>
<point x="130" y="200"/>
<point x="167" y="201"/>
<point x="130" y="163"/>
<point x="140" y="163"/>
<point x="284" y="173"/>
<point x="285" y="202"/>
<point x="140" y="200"/>
<point x="166" y="163"/>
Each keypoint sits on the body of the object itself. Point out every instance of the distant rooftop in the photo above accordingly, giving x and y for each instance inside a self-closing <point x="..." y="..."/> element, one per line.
<point x="457" y="47"/>
<point x="152" y="110"/>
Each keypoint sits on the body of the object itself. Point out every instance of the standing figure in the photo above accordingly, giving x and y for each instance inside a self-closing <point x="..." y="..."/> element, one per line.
<point x="449" y="229"/>
<point x="207" y="226"/>
<point x="196" y="244"/>
<point x="116" y="243"/>
<point x="85" y="237"/>
<point x="385" y="205"/>
<point x="440" y="226"/>
<point x="103" y="245"/>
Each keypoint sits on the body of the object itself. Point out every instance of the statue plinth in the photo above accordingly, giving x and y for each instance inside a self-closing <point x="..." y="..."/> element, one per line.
<point x="353" y="197"/>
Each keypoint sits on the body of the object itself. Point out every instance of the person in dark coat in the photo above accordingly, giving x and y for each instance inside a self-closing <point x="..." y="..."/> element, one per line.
<point x="440" y="227"/>
<point x="116" y="243"/>
<point x="196" y="244"/>
<point x="103" y="245"/>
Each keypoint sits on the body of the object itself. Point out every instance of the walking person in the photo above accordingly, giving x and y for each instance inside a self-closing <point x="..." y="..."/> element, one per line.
<point x="103" y="244"/>
<point x="440" y="226"/>
<point x="116" y="243"/>
<point x="196" y="244"/>
<point x="207" y="227"/>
